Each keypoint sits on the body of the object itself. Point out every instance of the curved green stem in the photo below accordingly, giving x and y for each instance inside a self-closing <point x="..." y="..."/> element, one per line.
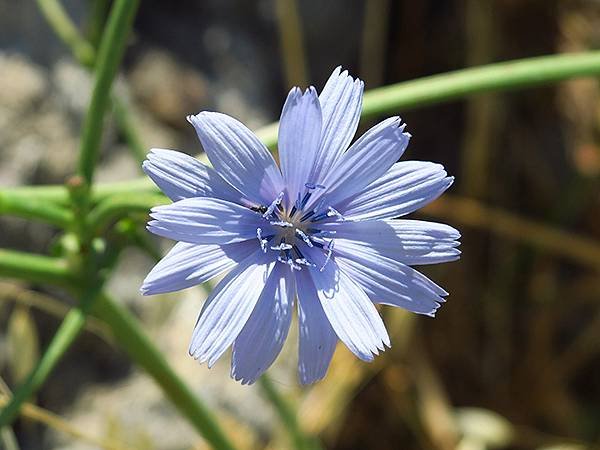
<point x="504" y="76"/>
<point x="497" y="77"/>
<point x="116" y="207"/>
<point x="35" y="268"/>
<point x="139" y="347"/>
<point x="112" y="47"/>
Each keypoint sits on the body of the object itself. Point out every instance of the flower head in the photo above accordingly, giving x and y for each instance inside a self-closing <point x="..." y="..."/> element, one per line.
<point x="319" y="230"/>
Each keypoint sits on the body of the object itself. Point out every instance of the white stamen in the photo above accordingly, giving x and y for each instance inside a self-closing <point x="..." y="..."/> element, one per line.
<point x="332" y="212"/>
<point x="281" y="247"/>
<point x="273" y="205"/>
<point x="304" y="262"/>
<point x="281" y="223"/>
<point x="304" y="237"/>
<point x="290" y="262"/>
<point x="263" y="242"/>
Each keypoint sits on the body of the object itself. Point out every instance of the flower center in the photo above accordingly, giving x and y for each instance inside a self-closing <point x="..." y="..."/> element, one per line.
<point x="297" y="228"/>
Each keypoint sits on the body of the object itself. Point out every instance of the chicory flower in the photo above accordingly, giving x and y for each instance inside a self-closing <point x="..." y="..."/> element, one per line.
<point x="321" y="230"/>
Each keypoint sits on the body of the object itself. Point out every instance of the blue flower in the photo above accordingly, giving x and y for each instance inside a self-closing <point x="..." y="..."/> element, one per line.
<point x="319" y="229"/>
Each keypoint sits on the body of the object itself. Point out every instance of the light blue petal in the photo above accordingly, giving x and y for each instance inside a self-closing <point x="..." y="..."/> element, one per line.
<point x="341" y="103"/>
<point x="203" y="220"/>
<point x="191" y="264"/>
<point x="412" y="242"/>
<point x="406" y="187"/>
<point x="239" y="157"/>
<point x="352" y="314"/>
<point x="228" y="308"/>
<point x="317" y="338"/>
<point x="180" y="176"/>
<point x="299" y="137"/>
<point x="366" y="160"/>
<point x="392" y="283"/>
<point x="262" y="338"/>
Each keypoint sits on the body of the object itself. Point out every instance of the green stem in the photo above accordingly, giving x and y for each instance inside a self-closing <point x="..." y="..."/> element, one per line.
<point x="441" y="88"/>
<point x="139" y="347"/>
<point x="112" y="47"/>
<point x="34" y="208"/>
<point x="59" y="194"/>
<point x="59" y="20"/>
<point x="497" y="77"/>
<point x="55" y="193"/>
<point x="65" y="335"/>
<point x="504" y="76"/>
<point x="124" y="327"/>
<point x="287" y="415"/>
<point x="35" y="268"/>
<point x="116" y="207"/>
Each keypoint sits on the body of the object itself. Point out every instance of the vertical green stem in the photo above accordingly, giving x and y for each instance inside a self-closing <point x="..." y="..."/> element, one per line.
<point x="110" y="53"/>
<point x="141" y="350"/>
<point x="65" y="28"/>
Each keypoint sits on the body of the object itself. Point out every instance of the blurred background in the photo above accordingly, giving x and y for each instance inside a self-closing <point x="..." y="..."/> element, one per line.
<point x="511" y="361"/>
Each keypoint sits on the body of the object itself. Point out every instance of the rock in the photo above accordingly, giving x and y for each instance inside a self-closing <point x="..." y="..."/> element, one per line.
<point x="38" y="143"/>
<point x="23" y="83"/>
<point x="72" y="86"/>
<point x="167" y="88"/>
